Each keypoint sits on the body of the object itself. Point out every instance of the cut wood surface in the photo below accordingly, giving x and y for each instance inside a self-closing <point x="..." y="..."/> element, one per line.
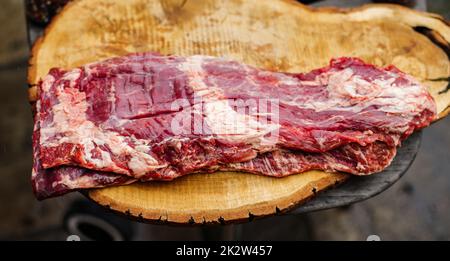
<point x="279" y="35"/>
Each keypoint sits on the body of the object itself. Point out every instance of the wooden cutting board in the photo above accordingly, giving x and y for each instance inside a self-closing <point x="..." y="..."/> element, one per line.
<point x="280" y="35"/>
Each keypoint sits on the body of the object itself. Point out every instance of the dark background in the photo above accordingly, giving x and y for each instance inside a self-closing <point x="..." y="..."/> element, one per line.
<point x="415" y="208"/>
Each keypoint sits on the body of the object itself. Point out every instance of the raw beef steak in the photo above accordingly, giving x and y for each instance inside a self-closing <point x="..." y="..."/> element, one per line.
<point x="152" y="117"/>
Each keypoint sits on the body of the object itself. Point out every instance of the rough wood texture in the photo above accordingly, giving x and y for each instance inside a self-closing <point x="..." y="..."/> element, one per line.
<point x="280" y="35"/>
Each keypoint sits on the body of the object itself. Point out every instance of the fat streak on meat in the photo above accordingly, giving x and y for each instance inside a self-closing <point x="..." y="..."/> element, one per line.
<point x="152" y="117"/>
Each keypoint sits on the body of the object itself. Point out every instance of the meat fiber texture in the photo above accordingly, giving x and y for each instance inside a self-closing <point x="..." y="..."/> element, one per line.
<point x="146" y="117"/>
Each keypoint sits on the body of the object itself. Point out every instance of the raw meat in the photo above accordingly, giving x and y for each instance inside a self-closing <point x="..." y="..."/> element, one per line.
<point x="152" y="117"/>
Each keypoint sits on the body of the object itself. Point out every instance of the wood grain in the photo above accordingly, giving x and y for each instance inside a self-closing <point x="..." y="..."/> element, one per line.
<point x="279" y="35"/>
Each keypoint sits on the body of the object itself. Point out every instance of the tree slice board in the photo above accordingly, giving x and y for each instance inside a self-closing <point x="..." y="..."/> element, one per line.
<point x="280" y="35"/>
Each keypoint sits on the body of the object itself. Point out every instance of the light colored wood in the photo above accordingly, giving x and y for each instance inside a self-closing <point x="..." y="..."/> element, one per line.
<point x="216" y="197"/>
<point x="280" y="35"/>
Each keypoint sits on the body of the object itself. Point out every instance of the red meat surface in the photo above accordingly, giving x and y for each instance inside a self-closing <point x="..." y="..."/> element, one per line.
<point x="149" y="117"/>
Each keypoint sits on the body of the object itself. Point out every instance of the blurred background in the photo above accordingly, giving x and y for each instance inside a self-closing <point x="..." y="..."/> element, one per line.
<point x="415" y="208"/>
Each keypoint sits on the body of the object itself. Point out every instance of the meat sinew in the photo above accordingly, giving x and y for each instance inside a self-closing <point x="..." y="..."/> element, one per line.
<point x="152" y="117"/>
